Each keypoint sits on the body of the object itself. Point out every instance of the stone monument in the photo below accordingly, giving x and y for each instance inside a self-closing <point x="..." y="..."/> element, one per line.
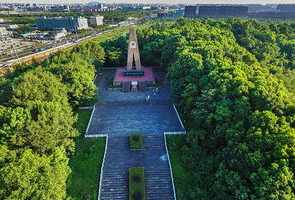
<point x="134" y="67"/>
<point x="134" y="76"/>
<point x="133" y="60"/>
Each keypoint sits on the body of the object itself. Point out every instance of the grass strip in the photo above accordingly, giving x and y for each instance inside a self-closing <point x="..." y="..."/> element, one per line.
<point x="136" y="183"/>
<point x="136" y="142"/>
<point x="85" y="163"/>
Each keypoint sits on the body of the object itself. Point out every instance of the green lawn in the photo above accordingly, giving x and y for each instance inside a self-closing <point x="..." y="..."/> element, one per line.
<point x="109" y="35"/>
<point x="182" y="177"/>
<point x="86" y="163"/>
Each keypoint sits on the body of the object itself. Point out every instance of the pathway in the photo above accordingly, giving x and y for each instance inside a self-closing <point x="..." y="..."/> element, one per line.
<point x="117" y="116"/>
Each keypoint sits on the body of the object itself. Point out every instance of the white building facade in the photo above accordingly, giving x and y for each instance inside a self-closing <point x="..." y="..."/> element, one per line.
<point x="96" y="20"/>
<point x="82" y="23"/>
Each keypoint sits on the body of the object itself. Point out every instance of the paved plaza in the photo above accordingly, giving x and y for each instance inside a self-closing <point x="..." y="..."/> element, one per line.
<point x="157" y="95"/>
<point x="150" y="112"/>
<point x="148" y="119"/>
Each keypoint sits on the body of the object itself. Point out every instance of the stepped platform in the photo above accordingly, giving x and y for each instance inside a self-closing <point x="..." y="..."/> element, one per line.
<point x="146" y="76"/>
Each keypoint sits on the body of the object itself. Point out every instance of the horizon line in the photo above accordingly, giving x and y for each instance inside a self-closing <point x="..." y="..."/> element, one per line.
<point x="193" y="4"/>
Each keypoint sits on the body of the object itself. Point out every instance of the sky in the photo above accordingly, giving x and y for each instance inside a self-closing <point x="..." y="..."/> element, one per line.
<point x="154" y="1"/>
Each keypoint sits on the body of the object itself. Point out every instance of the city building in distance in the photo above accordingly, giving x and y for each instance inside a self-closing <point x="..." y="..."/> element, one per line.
<point x="252" y="11"/>
<point x="287" y="8"/>
<point x="95" y="20"/>
<point x="223" y="10"/>
<point x="71" y="24"/>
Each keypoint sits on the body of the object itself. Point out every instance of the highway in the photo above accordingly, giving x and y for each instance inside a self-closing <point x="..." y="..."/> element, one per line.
<point x="49" y="50"/>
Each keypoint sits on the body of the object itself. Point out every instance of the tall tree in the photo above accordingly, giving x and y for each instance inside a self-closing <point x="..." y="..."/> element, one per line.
<point x="27" y="175"/>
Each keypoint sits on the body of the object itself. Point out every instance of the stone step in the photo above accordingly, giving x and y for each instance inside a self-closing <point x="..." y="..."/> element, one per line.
<point x="120" y="159"/>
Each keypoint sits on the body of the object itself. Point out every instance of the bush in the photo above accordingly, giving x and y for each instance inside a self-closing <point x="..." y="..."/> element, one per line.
<point x="136" y="183"/>
<point x="136" y="142"/>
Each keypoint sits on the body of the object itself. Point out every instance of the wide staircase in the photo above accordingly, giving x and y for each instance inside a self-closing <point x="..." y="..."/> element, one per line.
<point x="157" y="171"/>
<point x="154" y="160"/>
<point x="115" y="175"/>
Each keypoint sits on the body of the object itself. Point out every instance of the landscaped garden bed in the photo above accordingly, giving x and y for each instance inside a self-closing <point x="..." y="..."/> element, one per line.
<point x="136" y="141"/>
<point x="136" y="183"/>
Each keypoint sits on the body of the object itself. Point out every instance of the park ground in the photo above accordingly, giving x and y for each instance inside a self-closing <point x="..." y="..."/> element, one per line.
<point x="86" y="163"/>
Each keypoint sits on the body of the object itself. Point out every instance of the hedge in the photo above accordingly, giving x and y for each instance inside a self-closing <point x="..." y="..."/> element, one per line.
<point x="136" y="183"/>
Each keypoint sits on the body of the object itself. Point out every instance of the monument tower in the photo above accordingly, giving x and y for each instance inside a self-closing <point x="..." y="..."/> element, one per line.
<point x="134" y="76"/>
<point x="133" y="60"/>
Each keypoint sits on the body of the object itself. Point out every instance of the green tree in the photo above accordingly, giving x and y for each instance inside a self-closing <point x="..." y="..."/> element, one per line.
<point x="31" y="176"/>
<point x="42" y="126"/>
<point x="116" y="51"/>
<point x="38" y="85"/>
<point x="78" y="75"/>
<point x="241" y="130"/>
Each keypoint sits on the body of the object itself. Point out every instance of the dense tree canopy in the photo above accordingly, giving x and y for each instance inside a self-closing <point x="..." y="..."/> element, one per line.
<point x="37" y="121"/>
<point x="31" y="176"/>
<point x="77" y="71"/>
<point x="116" y="51"/>
<point x="38" y="85"/>
<point x="241" y="141"/>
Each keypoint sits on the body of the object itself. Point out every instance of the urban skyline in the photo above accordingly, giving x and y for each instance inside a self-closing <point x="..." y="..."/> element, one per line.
<point x="155" y="1"/>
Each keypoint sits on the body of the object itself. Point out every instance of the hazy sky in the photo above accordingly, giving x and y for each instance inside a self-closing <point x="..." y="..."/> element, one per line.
<point x="152" y="1"/>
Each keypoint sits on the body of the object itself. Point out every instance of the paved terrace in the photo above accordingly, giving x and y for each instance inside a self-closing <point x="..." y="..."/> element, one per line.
<point x="157" y="95"/>
<point x="119" y="120"/>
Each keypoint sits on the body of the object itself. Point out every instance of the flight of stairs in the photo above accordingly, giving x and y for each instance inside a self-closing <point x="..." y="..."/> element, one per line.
<point x="157" y="171"/>
<point x="154" y="160"/>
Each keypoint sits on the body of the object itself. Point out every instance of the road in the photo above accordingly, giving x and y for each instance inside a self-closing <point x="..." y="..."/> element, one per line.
<point x="50" y="49"/>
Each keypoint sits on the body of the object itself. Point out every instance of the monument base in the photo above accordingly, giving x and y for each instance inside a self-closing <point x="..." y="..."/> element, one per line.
<point x="133" y="73"/>
<point x="134" y="81"/>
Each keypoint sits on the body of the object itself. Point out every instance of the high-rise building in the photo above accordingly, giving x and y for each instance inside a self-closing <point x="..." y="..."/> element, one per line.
<point x="223" y="11"/>
<point x="95" y="20"/>
<point x="82" y="23"/>
<point x="287" y="8"/>
<point x="68" y="23"/>
<point x="191" y="11"/>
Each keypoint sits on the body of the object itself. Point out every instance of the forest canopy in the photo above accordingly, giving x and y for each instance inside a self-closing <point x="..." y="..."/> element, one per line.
<point x="38" y="121"/>
<point x="226" y="80"/>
